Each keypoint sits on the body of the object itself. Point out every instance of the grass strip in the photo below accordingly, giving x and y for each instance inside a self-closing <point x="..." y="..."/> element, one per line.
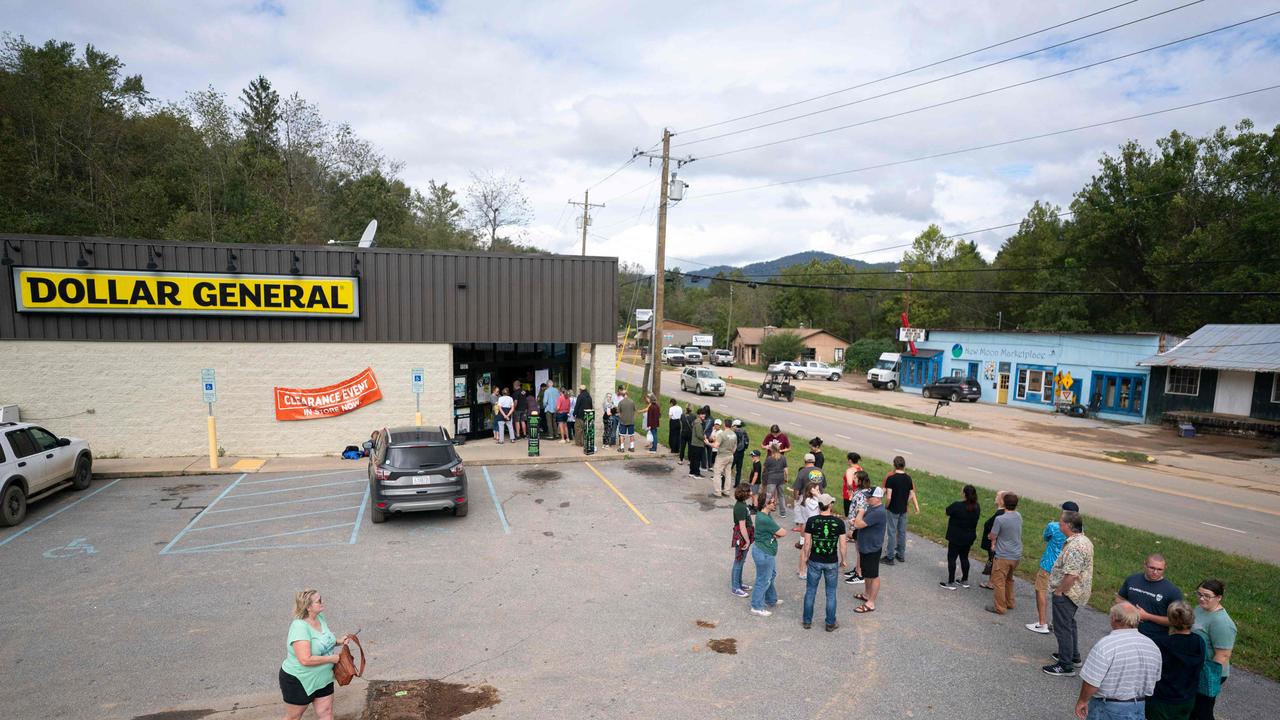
<point x="864" y="407"/>
<point x="1119" y="551"/>
<point x="1130" y="456"/>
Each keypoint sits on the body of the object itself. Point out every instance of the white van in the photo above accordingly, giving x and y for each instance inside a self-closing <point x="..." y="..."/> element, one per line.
<point x="885" y="372"/>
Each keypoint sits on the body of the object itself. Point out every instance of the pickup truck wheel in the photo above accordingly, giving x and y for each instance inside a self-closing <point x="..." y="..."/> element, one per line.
<point x="13" y="505"/>
<point x="376" y="515"/>
<point x="892" y="385"/>
<point x="955" y="396"/>
<point x="834" y="377"/>
<point x="800" y="375"/>
<point x="84" y="473"/>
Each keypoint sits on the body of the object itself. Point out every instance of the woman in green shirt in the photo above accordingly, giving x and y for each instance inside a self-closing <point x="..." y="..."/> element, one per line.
<point x="742" y="536"/>
<point x="764" y="551"/>
<point x="1219" y="631"/>
<point x="306" y="675"/>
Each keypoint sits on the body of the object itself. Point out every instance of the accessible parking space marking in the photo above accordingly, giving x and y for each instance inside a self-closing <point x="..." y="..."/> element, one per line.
<point x="618" y="492"/>
<point x="54" y="514"/>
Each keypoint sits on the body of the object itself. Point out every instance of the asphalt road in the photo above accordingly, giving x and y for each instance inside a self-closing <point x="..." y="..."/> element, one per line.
<point x="1234" y="519"/>
<point x="580" y="599"/>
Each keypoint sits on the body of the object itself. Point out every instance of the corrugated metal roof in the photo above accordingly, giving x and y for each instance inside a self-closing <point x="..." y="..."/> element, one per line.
<point x="1225" y="347"/>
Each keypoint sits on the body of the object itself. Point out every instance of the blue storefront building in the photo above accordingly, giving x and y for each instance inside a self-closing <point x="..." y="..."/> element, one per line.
<point x="1041" y="370"/>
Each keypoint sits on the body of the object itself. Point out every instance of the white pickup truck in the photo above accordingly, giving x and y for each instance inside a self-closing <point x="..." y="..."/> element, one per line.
<point x="807" y="368"/>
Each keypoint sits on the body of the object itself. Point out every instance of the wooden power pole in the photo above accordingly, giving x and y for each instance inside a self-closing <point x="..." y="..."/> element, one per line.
<point x="586" y="215"/>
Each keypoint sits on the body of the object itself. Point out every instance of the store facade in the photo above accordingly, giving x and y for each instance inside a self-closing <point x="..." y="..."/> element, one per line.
<point x="1040" y="371"/>
<point x="308" y="349"/>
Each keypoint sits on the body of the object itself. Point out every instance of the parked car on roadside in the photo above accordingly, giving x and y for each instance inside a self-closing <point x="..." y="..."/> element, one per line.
<point x="723" y="358"/>
<point x="807" y="368"/>
<point x="673" y="355"/>
<point x="35" y="463"/>
<point x="415" y="468"/>
<point x="692" y="355"/>
<point x="701" y="382"/>
<point x="954" y="389"/>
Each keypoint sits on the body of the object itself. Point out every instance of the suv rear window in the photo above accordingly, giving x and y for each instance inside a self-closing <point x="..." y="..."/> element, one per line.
<point x="418" y="456"/>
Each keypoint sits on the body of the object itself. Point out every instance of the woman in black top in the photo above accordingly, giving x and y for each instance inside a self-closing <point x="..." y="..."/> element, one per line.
<point x="962" y="530"/>
<point x="986" y="537"/>
<point x="686" y="430"/>
<point x="815" y="447"/>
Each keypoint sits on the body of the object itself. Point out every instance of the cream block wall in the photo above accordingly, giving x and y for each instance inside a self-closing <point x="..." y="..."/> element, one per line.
<point x="146" y="397"/>
<point x="604" y="375"/>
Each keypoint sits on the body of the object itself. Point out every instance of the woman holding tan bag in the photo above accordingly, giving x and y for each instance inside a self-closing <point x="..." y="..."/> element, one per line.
<point x="306" y="676"/>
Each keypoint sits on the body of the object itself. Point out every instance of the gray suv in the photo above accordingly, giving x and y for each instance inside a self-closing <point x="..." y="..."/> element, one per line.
<point x="412" y="469"/>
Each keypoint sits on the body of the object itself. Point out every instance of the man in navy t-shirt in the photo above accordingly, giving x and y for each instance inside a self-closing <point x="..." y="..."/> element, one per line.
<point x="1151" y="593"/>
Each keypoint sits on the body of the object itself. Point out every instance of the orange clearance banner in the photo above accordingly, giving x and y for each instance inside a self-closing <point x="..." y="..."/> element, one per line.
<point x="330" y="401"/>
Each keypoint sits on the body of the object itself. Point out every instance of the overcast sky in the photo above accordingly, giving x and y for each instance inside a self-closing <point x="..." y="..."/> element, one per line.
<point x="559" y="94"/>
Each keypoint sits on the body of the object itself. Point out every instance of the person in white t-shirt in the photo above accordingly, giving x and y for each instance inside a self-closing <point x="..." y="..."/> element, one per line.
<point x="674" y="413"/>
<point x="505" y="417"/>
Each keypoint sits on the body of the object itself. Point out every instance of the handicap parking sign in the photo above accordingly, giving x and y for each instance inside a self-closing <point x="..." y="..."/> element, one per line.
<point x="208" y="385"/>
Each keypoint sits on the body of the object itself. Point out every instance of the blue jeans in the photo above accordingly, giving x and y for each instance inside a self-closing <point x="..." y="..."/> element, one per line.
<point x="895" y="538"/>
<point x="653" y="439"/>
<point x="828" y="573"/>
<point x="764" y="592"/>
<point x="1099" y="710"/>
<point x="735" y="575"/>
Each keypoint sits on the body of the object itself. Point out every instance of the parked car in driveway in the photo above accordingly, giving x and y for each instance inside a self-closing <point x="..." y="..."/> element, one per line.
<point x="954" y="389"/>
<point x="701" y="381"/>
<point x="723" y="358"/>
<point x="807" y="368"/>
<point x="413" y="469"/>
<point x="673" y="355"/>
<point x="693" y="355"/>
<point x="35" y="463"/>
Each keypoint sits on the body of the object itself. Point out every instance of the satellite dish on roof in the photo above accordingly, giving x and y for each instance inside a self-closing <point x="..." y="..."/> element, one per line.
<point x="366" y="240"/>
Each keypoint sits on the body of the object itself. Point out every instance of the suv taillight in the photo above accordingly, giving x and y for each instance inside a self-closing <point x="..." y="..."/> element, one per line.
<point x="457" y="470"/>
<point x="381" y="473"/>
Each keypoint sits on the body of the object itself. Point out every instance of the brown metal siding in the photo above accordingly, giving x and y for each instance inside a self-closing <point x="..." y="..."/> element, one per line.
<point x="405" y="296"/>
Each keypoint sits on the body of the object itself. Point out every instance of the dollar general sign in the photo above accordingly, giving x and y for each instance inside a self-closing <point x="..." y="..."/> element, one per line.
<point x="142" y="292"/>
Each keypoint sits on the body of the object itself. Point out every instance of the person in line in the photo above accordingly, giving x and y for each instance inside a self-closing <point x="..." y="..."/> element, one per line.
<point x="962" y="532"/>
<point x="675" y="415"/>
<point x="899" y="489"/>
<point x="1182" y="654"/>
<point x="306" y="675"/>
<point x="755" y="481"/>
<point x="1219" y="633"/>
<point x="764" y="552"/>
<point x="1006" y="540"/>
<point x="1120" y="672"/>
<point x="725" y="442"/>
<point x="708" y="427"/>
<point x="807" y="473"/>
<point x="549" y="400"/>
<point x="697" y="449"/>
<point x="815" y="449"/>
<point x="823" y="554"/>
<point x="986" y="538"/>
<point x="521" y="415"/>
<point x="581" y="405"/>
<point x="564" y="411"/>
<point x="1053" y="540"/>
<point x="775" y="475"/>
<point x="494" y="396"/>
<point x="806" y="507"/>
<point x="1071" y="583"/>
<point x="861" y="499"/>
<point x="610" y="420"/>
<point x="739" y="450"/>
<point x="651" y="416"/>
<point x="743" y="537"/>
<point x="775" y="434"/>
<point x="531" y="407"/>
<point x="506" y="416"/>
<point x="871" y="525"/>
<point x="1152" y="593"/>
<point x="850" y="481"/>
<point x="687" y="419"/>
<point x="626" y="420"/>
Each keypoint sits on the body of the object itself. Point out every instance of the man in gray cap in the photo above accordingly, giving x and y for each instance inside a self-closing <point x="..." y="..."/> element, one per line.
<point x="1053" y="540"/>
<point x="725" y="442"/>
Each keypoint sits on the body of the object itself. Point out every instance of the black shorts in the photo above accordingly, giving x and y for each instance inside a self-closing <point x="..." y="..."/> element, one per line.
<point x="294" y="694"/>
<point x="870" y="564"/>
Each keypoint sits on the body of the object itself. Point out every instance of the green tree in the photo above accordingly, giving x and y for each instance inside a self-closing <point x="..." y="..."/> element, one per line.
<point x="781" y="345"/>
<point x="260" y="117"/>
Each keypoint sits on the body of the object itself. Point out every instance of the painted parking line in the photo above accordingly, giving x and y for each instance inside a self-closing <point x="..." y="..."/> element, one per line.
<point x="506" y="528"/>
<point x="355" y="529"/>
<point x="304" y="487"/>
<point x="295" y="477"/>
<point x="618" y="492"/>
<point x="288" y="502"/>
<point x="55" y="513"/>
<point x="1223" y="527"/>
<point x="165" y="550"/>
<point x="224" y="544"/>
<point x="978" y="469"/>
<point x="274" y="517"/>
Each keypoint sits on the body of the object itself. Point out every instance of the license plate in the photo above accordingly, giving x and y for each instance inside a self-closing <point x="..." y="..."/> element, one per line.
<point x="422" y="480"/>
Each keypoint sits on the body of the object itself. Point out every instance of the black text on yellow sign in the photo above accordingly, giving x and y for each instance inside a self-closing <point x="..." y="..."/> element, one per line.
<point x="160" y="293"/>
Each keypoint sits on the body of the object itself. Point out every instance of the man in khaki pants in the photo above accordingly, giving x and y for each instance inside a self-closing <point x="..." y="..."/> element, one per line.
<point x="1006" y="540"/>
<point x="725" y="441"/>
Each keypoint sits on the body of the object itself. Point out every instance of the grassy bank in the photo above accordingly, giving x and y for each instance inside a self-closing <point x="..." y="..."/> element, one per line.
<point x="1119" y="550"/>
<point x="864" y="407"/>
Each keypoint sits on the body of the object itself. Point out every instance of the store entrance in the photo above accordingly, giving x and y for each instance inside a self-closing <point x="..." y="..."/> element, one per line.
<point x="479" y="368"/>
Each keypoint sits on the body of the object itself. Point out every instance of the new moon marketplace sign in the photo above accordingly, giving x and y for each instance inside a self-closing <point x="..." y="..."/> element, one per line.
<point x="142" y="292"/>
<point x="338" y="399"/>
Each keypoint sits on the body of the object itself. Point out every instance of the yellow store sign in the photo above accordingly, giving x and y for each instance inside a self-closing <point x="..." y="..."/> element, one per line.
<point x="142" y="292"/>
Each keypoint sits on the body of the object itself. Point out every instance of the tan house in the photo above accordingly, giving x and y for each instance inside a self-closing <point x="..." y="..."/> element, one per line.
<point x="674" y="332"/>
<point x="818" y="344"/>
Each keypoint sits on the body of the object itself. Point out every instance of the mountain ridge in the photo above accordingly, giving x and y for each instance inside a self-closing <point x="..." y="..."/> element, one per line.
<point x="766" y="269"/>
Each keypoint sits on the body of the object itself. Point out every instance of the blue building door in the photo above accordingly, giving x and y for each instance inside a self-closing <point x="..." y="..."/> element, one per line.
<point x="1119" y="393"/>
<point x="972" y="373"/>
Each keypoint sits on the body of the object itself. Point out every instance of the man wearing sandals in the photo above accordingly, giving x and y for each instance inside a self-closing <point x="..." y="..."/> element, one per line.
<point x="871" y="526"/>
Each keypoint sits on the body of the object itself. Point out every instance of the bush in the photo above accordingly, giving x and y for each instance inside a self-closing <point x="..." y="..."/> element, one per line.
<point x="780" y="346"/>
<point x="862" y="354"/>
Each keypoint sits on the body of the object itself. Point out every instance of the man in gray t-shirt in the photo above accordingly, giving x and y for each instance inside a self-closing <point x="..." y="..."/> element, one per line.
<point x="1006" y="541"/>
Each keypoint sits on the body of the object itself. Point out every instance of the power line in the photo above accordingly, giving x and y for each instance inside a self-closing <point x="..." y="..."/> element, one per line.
<point x="908" y="72"/>
<point x="987" y="146"/>
<point x="940" y="79"/>
<point x="953" y="101"/>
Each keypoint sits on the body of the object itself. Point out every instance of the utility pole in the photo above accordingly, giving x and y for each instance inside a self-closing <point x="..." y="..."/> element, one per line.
<point x="659" y="266"/>
<point x="586" y="215"/>
<point x="728" y="329"/>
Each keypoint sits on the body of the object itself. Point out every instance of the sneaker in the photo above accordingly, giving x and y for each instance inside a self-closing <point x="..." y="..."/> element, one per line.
<point x="1038" y="628"/>
<point x="833" y="626"/>
<point x="761" y="613"/>
<point x="1058" y="660"/>
<point x="888" y="561"/>
<point x="854" y="579"/>
<point x="964" y="584"/>
<point x="1059" y="670"/>
<point x="806" y="626"/>
<point x="948" y="585"/>
<point x="851" y="573"/>
<point x="776" y="604"/>
<point x="901" y="559"/>
<point x="746" y="588"/>
<point x="741" y="593"/>
<point x="632" y="449"/>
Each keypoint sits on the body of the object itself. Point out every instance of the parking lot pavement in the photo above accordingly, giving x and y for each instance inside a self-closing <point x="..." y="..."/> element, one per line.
<point x="574" y="590"/>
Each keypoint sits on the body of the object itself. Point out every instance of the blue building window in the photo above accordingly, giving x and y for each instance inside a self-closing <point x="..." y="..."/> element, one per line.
<point x="1120" y="393"/>
<point x="1035" y="384"/>
<point x="922" y="369"/>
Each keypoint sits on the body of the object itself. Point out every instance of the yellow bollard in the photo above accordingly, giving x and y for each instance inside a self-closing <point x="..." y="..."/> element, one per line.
<point x="417" y="419"/>
<point x="213" y="443"/>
